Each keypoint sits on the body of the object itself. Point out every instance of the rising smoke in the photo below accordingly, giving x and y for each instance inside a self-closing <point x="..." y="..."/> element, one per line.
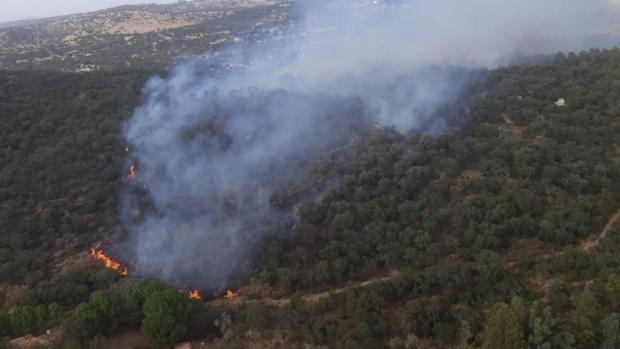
<point x="215" y="146"/>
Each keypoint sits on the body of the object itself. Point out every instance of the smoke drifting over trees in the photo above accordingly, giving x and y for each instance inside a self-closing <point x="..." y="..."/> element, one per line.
<point x="215" y="146"/>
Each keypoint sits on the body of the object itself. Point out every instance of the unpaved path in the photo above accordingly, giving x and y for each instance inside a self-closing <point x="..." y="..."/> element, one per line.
<point x="316" y="297"/>
<point x="308" y="297"/>
<point x="593" y="243"/>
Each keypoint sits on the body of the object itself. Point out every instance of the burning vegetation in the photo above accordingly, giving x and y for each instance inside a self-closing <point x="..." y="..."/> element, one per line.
<point x="195" y="294"/>
<point x="133" y="168"/>
<point x="109" y="263"/>
<point x="132" y="172"/>
<point x="230" y="294"/>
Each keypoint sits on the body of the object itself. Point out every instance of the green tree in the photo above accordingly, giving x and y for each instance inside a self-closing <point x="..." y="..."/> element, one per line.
<point x="109" y="306"/>
<point x="612" y="290"/>
<point x="427" y="317"/>
<point x="584" y="319"/>
<point x="503" y="327"/>
<point x="94" y="317"/>
<point x="54" y="310"/>
<point x="40" y="315"/>
<point x="540" y="326"/>
<point x="364" y="311"/>
<point x="87" y="323"/>
<point x="165" y="315"/>
<point x="135" y="296"/>
<point x="28" y="319"/>
<point x="610" y="328"/>
<point x="564" y="340"/>
<point x="6" y="329"/>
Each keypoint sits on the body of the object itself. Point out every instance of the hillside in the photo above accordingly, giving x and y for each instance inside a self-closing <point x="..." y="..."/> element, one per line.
<point x="506" y="224"/>
<point x="503" y="230"/>
<point x="60" y="158"/>
<point x="141" y="36"/>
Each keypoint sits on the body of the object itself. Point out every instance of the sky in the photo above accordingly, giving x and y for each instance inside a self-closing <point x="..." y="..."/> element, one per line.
<point x="11" y="10"/>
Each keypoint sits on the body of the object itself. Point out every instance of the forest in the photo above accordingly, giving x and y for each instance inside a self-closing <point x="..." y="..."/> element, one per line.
<point x="502" y="232"/>
<point x="60" y="159"/>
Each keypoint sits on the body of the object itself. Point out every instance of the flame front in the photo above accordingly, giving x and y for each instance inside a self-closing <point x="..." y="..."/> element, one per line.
<point x="230" y="294"/>
<point x="132" y="172"/>
<point x="195" y="294"/>
<point x="108" y="262"/>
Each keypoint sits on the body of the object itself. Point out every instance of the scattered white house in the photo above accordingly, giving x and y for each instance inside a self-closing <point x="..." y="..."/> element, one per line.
<point x="560" y="102"/>
<point x="86" y="68"/>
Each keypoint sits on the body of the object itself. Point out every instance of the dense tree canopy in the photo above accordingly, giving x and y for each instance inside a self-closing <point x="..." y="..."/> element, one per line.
<point x="60" y="170"/>
<point x="165" y="314"/>
<point x="519" y="199"/>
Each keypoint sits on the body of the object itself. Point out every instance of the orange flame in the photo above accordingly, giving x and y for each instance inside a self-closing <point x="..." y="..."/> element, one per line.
<point x="195" y="294"/>
<point x="132" y="172"/>
<point x="230" y="294"/>
<point x="108" y="262"/>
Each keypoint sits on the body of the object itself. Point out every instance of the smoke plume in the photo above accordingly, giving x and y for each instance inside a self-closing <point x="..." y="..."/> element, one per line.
<point x="219" y="135"/>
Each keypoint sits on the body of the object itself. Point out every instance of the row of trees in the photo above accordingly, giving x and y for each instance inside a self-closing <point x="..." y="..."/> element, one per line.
<point x="28" y="319"/>
<point x="161" y="311"/>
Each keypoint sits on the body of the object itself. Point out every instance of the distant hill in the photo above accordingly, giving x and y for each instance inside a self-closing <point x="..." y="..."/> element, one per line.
<point x="138" y="36"/>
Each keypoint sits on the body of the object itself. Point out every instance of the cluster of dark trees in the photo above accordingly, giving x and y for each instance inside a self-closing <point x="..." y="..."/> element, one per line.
<point x="28" y="319"/>
<point x="161" y="312"/>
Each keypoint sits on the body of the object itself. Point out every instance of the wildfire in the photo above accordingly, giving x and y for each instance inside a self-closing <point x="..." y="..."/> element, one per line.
<point x="132" y="172"/>
<point x="195" y="294"/>
<point x="230" y="294"/>
<point x="108" y="262"/>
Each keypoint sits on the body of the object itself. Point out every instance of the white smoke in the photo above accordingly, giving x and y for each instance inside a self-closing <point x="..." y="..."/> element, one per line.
<point x="215" y="145"/>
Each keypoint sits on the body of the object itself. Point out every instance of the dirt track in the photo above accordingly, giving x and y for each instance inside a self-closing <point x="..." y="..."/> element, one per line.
<point x="308" y="297"/>
<point x="591" y="244"/>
